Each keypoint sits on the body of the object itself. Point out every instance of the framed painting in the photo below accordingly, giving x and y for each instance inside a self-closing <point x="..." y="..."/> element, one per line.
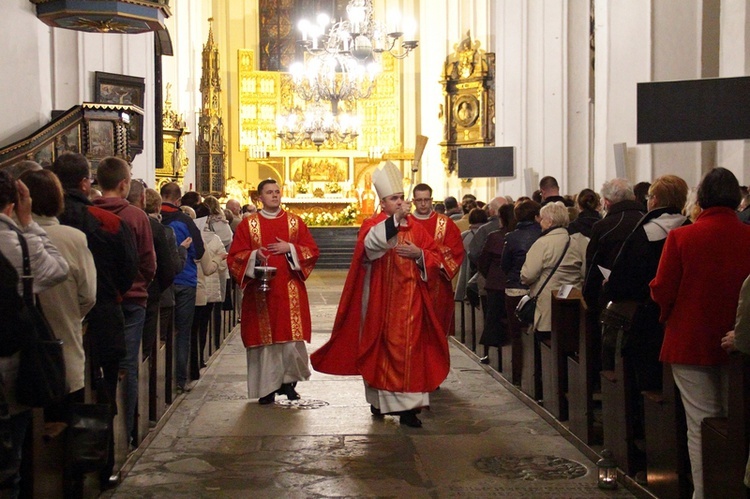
<point x="110" y="88"/>
<point x="101" y="138"/>
<point x="43" y="155"/>
<point x="68" y="141"/>
<point x="319" y="169"/>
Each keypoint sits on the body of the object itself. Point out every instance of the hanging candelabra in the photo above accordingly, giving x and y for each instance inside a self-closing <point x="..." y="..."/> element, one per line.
<point x="361" y="35"/>
<point x="343" y="59"/>
<point x="317" y="125"/>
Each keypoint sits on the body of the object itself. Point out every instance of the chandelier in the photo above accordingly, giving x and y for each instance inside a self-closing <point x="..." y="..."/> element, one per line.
<point x="343" y="59"/>
<point x="361" y="36"/>
<point x="333" y="78"/>
<point x="317" y="125"/>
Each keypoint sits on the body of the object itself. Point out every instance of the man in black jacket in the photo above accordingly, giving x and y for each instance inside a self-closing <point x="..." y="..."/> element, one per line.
<point x="116" y="259"/>
<point x="607" y="235"/>
<point x="167" y="261"/>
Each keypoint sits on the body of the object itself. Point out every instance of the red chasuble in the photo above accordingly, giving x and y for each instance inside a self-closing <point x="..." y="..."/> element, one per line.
<point x="281" y="314"/>
<point x="398" y="345"/>
<point x="451" y="247"/>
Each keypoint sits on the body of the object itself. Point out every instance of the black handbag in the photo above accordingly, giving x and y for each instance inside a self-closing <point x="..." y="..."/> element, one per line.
<point x="41" y="371"/>
<point x="616" y="320"/>
<point x="619" y="315"/>
<point x="526" y="308"/>
<point x="89" y="434"/>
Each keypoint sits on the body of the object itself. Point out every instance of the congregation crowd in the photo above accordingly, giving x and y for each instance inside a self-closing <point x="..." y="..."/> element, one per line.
<point x="118" y="261"/>
<point x="660" y="267"/>
<point x="114" y="265"/>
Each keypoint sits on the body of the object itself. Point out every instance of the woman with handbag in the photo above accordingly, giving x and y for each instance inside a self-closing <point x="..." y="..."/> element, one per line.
<point x="517" y="244"/>
<point x="47" y="267"/>
<point x="554" y="260"/>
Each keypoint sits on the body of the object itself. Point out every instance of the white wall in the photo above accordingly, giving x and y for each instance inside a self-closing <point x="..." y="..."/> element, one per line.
<point x="48" y="69"/>
<point x="542" y="105"/>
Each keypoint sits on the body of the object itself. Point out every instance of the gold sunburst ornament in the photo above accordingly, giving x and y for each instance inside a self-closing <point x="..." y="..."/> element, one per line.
<point x="104" y="26"/>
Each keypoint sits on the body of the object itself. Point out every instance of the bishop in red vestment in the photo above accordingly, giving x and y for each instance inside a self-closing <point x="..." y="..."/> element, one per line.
<point x="275" y="323"/>
<point x="451" y="247"/>
<point x="386" y="329"/>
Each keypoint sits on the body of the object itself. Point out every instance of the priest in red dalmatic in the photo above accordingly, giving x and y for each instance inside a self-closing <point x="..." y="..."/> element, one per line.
<point x="276" y="322"/>
<point x="447" y="236"/>
<point x="386" y="329"/>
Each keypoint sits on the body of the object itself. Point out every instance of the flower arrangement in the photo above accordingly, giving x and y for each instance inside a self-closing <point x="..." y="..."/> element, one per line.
<point x="302" y="187"/>
<point x="333" y="187"/>
<point x="347" y="216"/>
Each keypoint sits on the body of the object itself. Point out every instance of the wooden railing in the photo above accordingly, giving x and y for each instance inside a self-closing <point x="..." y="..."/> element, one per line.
<point x="94" y="130"/>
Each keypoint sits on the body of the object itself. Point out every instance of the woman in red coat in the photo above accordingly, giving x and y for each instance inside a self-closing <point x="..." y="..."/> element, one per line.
<point x="697" y="287"/>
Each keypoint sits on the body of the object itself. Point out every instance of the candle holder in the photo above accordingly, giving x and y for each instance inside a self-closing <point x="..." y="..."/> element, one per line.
<point x="607" y="468"/>
<point x="265" y="275"/>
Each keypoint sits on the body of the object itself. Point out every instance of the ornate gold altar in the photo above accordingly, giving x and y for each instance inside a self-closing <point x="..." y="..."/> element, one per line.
<point x="330" y="186"/>
<point x="469" y="110"/>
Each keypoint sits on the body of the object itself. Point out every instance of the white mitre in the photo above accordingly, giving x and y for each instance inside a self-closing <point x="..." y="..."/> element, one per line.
<point x="387" y="180"/>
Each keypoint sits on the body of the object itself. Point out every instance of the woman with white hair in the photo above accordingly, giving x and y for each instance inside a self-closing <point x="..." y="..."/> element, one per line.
<point x="554" y="245"/>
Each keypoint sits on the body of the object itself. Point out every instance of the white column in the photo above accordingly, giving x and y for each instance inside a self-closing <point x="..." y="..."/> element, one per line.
<point x="734" y="61"/>
<point x="622" y="58"/>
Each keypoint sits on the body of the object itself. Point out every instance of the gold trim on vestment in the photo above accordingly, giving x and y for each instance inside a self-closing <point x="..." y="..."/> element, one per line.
<point x="295" y="317"/>
<point x="293" y="228"/>
<point x="440" y="230"/>
<point x="264" y="320"/>
<point x="254" y="225"/>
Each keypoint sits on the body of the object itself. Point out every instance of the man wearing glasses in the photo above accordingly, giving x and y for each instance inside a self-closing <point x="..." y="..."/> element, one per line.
<point x="447" y="236"/>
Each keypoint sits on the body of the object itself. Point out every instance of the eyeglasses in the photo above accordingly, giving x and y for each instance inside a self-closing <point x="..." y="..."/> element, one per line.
<point x="649" y="197"/>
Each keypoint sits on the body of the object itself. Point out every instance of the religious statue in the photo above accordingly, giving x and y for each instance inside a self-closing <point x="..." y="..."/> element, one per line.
<point x="367" y="202"/>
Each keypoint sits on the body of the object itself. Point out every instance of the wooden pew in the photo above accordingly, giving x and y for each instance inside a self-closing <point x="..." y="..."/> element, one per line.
<point x="166" y="332"/>
<point x="667" y="461"/>
<point x="531" y="372"/>
<point x="563" y="341"/>
<point x="44" y="454"/>
<point x="157" y="378"/>
<point x="142" y="411"/>
<point x="583" y="374"/>
<point x="511" y="354"/>
<point x="725" y="440"/>
<point x="461" y="322"/>
<point x="617" y="417"/>
<point x="121" y="440"/>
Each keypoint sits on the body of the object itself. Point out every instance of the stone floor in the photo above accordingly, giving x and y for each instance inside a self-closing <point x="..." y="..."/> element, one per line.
<point x="478" y="440"/>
